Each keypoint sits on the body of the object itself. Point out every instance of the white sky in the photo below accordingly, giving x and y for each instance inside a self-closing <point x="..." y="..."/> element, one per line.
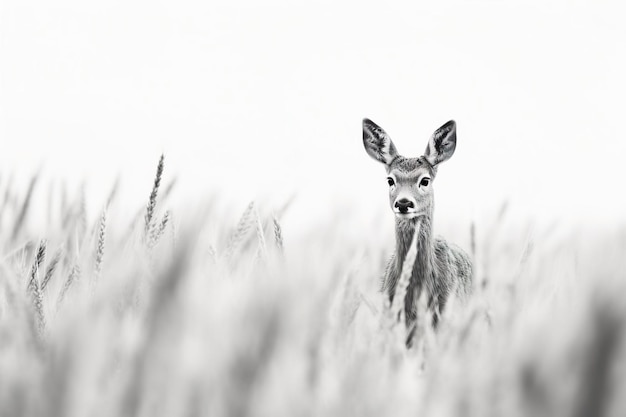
<point x="259" y="100"/>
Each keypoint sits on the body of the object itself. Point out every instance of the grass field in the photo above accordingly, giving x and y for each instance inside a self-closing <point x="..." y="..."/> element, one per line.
<point x="158" y="313"/>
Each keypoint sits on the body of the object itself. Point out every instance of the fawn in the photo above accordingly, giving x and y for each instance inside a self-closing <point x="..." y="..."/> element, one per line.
<point x="440" y="268"/>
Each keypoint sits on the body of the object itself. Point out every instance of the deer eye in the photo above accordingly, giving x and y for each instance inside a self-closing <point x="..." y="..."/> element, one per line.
<point x="390" y="181"/>
<point x="424" y="182"/>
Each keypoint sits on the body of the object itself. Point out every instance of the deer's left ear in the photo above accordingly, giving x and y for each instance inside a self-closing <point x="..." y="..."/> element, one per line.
<point x="377" y="143"/>
<point x="442" y="144"/>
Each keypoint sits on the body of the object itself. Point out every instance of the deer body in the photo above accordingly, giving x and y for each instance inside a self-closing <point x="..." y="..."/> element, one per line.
<point x="440" y="268"/>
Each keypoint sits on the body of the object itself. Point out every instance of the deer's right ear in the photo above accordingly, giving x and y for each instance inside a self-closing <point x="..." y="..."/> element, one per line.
<point x="377" y="143"/>
<point x="442" y="144"/>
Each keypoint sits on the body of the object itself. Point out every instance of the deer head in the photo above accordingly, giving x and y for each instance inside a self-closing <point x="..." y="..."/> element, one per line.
<point x="410" y="179"/>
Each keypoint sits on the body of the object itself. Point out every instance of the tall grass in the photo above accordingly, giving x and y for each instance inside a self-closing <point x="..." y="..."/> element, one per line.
<point x="208" y="317"/>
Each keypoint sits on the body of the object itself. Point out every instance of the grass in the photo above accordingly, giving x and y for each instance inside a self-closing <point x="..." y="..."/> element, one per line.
<point x="242" y="321"/>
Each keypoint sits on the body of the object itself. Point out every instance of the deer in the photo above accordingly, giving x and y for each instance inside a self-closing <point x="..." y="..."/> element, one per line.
<point x="440" y="268"/>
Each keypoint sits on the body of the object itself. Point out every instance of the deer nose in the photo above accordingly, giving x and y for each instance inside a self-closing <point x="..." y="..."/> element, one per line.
<point x="404" y="205"/>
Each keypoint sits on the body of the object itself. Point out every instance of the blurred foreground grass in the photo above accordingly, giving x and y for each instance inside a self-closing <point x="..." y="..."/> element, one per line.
<point x="160" y="314"/>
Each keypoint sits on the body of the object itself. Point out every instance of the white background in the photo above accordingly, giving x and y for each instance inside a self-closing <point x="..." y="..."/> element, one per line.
<point x="261" y="101"/>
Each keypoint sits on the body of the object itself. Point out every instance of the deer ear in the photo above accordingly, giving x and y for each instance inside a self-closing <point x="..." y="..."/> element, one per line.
<point x="442" y="144"/>
<point x="377" y="143"/>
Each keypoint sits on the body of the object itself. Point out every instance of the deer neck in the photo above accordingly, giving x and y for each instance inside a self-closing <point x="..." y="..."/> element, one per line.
<point x="405" y="229"/>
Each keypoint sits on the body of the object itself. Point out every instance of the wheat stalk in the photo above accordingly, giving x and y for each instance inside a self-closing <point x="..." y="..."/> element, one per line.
<point x="242" y="229"/>
<point x="50" y="208"/>
<point x="83" y="215"/>
<point x="25" y="206"/>
<point x="420" y="329"/>
<point x="473" y="240"/>
<point x="64" y="200"/>
<point x="35" y="289"/>
<point x="157" y="230"/>
<point x="260" y="235"/>
<point x="6" y="196"/>
<point x="173" y="232"/>
<point x="350" y="303"/>
<point x="168" y="189"/>
<point x="278" y="235"/>
<point x="73" y="276"/>
<point x="101" y="244"/>
<point x="153" y="196"/>
<point x="51" y="269"/>
<point x="397" y="307"/>
<point x="113" y="193"/>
